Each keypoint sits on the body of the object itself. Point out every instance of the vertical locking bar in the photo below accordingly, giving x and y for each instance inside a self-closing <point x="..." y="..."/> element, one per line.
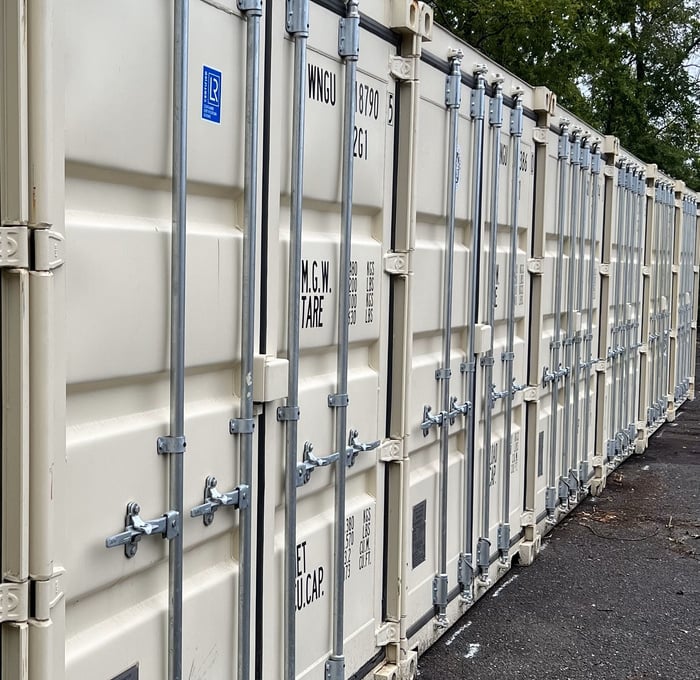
<point x="478" y="98"/>
<point x="496" y="123"/>
<point x="653" y="326"/>
<point x="595" y="172"/>
<point x="252" y="10"/>
<point x="298" y="28"/>
<point x="624" y="358"/>
<point x="621" y="182"/>
<point x="577" y="456"/>
<point x="516" y="131"/>
<point x="635" y="339"/>
<point x="177" y="330"/>
<point x="563" y="156"/>
<point x="348" y="49"/>
<point x="453" y="99"/>
<point x="574" y="218"/>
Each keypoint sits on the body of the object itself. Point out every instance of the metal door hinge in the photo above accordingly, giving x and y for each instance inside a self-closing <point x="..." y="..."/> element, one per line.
<point x="539" y="135"/>
<point x="397" y="264"/>
<point x="49" y="249"/>
<point x="37" y="249"/>
<point x="535" y="266"/>
<point x="391" y="451"/>
<point x="387" y="634"/>
<point x="402" y="68"/>
<point x="14" y="602"/>
<point x="47" y="594"/>
<point x="531" y="394"/>
<point x="14" y="247"/>
<point x="604" y="269"/>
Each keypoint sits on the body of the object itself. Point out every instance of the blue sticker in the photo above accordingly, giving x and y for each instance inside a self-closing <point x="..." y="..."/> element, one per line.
<point x="211" y="94"/>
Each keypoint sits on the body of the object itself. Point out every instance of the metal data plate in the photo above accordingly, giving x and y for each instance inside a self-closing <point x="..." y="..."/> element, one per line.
<point x="418" y="534"/>
<point x="130" y="674"/>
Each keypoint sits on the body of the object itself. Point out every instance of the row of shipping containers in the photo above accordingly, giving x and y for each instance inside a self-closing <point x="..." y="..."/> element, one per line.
<point x="427" y="312"/>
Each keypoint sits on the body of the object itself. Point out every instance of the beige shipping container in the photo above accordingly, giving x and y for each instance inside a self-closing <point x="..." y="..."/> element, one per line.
<point x="482" y="252"/>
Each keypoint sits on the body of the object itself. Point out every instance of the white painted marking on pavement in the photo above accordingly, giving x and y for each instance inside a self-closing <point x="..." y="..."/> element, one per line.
<point x="454" y="635"/>
<point x="474" y="648"/>
<point x="498" y="590"/>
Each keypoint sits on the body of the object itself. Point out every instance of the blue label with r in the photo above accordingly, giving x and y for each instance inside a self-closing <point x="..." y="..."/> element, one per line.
<point x="211" y="94"/>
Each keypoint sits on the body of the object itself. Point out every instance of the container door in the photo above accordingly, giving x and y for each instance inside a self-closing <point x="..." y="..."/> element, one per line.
<point x="373" y="157"/>
<point x="118" y="212"/>
<point x="555" y="195"/>
<point x="507" y="463"/>
<point x="426" y="331"/>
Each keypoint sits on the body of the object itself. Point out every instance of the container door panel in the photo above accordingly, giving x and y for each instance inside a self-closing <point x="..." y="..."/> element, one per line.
<point x="373" y="157"/>
<point x="118" y="212"/>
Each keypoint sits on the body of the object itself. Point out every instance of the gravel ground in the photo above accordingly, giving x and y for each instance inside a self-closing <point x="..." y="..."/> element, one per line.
<point x="615" y="594"/>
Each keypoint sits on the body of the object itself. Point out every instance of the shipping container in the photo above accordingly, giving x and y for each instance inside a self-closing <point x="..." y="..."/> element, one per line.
<point x="313" y="320"/>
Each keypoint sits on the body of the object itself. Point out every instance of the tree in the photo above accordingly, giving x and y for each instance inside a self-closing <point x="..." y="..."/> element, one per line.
<point x="625" y="66"/>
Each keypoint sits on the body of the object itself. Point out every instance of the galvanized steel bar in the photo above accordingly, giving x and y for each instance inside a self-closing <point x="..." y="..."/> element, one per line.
<point x="667" y="241"/>
<point x="177" y="330"/>
<point x="478" y="98"/>
<point x="614" y="349"/>
<point x="576" y="457"/>
<point x="496" y="123"/>
<point x="574" y="217"/>
<point x="623" y="394"/>
<point x="516" y="131"/>
<point x="653" y="339"/>
<point x="453" y="98"/>
<point x="252" y="10"/>
<point x="595" y="173"/>
<point x="636" y="300"/>
<point x="663" y="359"/>
<point x="298" y="28"/>
<point x="563" y="156"/>
<point x="348" y="49"/>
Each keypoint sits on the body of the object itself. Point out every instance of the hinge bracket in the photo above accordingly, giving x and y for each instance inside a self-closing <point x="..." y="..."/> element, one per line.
<point x="402" y="68"/>
<point x="387" y="634"/>
<point x="14" y="247"/>
<point x="14" y="602"/>
<point x="396" y="264"/>
<point x="47" y="594"/>
<point x="391" y="451"/>
<point x="535" y="266"/>
<point x="35" y="248"/>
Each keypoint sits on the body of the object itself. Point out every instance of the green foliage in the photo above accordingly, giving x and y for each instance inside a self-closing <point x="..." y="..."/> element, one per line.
<point x="622" y="65"/>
